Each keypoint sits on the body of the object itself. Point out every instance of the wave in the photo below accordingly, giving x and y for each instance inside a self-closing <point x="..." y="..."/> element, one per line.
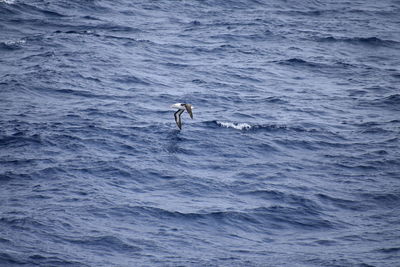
<point x="254" y="219"/>
<point x="389" y="250"/>
<point x="311" y="13"/>
<point x="129" y="79"/>
<point x="52" y="9"/>
<point x="7" y="1"/>
<point x="19" y="139"/>
<point x="237" y="126"/>
<point x="11" y="44"/>
<point x="17" y="7"/>
<point x="297" y="61"/>
<point x="371" y="41"/>
<point x="98" y="30"/>
<point x="13" y="258"/>
<point x="10" y="259"/>
<point x="316" y="65"/>
<point x="243" y="126"/>
<point x="342" y="203"/>
<point x="288" y="198"/>
<point x="77" y="93"/>
<point x="391" y="102"/>
<point x="390" y="200"/>
<point x="105" y="242"/>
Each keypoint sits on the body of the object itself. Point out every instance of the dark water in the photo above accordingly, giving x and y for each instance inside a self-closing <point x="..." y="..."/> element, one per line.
<point x="292" y="158"/>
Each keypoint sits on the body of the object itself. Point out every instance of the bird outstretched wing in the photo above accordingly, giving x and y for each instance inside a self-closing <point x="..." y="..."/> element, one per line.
<point x="189" y="110"/>
<point x="178" y="120"/>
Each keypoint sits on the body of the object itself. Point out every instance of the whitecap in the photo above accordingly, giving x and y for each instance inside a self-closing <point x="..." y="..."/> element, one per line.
<point x="13" y="43"/>
<point x="7" y="1"/>
<point x="237" y="126"/>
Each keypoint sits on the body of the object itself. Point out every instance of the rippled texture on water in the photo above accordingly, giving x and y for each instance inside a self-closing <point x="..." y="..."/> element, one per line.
<point x="292" y="158"/>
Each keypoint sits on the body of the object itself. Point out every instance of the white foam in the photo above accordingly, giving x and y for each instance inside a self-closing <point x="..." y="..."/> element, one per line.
<point x="17" y="42"/>
<point x="237" y="126"/>
<point x="7" y="1"/>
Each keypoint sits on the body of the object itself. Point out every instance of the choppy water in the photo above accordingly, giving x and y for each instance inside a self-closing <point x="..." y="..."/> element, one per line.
<point x="292" y="158"/>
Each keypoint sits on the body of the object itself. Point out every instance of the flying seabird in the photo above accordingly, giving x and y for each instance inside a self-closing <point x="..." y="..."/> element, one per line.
<point x="181" y="108"/>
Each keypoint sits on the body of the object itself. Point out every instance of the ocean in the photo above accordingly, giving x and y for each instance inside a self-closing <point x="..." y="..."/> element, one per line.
<point x="292" y="157"/>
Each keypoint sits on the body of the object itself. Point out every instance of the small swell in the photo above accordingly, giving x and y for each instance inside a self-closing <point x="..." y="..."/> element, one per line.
<point x="3" y="240"/>
<point x="390" y="200"/>
<point x="297" y="62"/>
<point x="129" y="79"/>
<point x="21" y="223"/>
<point x="274" y="216"/>
<point x="9" y="259"/>
<point x="107" y="242"/>
<point x="276" y="100"/>
<point x="42" y="260"/>
<point x="390" y="102"/>
<point x="17" y="140"/>
<point x="371" y="41"/>
<point x="116" y="28"/>
<point x="343" y="203"/>
<point x="389" y="250"/>
<point x="280" y="197"/>
<point x="8" y="176"/>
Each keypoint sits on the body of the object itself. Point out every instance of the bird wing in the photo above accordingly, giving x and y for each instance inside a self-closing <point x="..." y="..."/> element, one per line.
<point x="189" y="110"/>
<point x="178" y="120"/>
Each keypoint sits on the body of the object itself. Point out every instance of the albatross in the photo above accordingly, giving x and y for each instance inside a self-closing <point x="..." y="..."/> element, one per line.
<point x="181" y="108"/>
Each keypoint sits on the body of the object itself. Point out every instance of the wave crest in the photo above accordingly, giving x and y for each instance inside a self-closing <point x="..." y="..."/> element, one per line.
<point x="237" y="126"/>
<point x="11" y="44"/>
<point x="7" y="1"/>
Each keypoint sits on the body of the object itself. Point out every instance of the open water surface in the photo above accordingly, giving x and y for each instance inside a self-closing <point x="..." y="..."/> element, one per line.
<point x="292" y="158"/>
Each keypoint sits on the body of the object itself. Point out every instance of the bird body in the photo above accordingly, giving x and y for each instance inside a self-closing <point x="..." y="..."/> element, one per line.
<point x="181" y="108"/>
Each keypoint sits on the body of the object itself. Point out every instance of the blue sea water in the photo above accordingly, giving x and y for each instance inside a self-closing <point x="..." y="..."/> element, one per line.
<point x="292" y="158"/>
